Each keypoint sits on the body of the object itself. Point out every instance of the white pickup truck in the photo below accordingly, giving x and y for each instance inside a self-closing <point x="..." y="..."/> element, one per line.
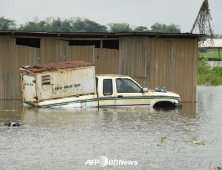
<point x="120" y="90"/>
<point x="74" y="84"/>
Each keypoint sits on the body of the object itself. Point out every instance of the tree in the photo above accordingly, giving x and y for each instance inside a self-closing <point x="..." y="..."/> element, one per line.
<point x="34" y="25"/>
<point x="7" y="24"/>
<point x="51" y="24"/>
<point x="140" y="29"/>
<point x="86" y="25"/>
<point x="56" y="26"/>
<point x="119" y="27"/>
<point x="158" y="27"/>
<point x="91" y="26"/>
<point x="68" y="25"/>
<point x="174" y="28"/>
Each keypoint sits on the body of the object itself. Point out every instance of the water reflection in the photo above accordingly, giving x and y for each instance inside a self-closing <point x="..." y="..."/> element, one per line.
<point x="67" y="138"/>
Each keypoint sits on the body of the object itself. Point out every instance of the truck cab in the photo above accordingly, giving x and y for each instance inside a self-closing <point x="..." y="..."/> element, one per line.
<point x="120" y="90"/>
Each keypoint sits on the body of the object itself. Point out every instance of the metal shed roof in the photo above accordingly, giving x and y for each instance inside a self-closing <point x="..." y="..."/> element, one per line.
<point x="100" y="34"/>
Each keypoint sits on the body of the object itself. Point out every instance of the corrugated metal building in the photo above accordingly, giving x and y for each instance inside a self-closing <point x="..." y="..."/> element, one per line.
<point x="152" y="59"/>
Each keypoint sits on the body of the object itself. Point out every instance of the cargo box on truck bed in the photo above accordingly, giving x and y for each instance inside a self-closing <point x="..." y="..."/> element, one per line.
<point x="57" y="80"/>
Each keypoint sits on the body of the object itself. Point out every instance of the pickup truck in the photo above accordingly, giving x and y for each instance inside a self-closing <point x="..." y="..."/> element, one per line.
<point x="66" y="85"/>
<point x="120" y="90"/>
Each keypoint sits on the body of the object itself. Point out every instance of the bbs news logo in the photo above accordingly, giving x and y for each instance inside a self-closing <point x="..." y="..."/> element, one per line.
<point x="104" y="161"/>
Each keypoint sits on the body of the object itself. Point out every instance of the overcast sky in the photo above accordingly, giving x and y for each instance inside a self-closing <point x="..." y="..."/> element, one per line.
<point x="134" y="12"/>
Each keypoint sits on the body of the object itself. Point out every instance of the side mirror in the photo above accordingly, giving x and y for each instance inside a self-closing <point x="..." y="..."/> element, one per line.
<point x="145" y="90"/>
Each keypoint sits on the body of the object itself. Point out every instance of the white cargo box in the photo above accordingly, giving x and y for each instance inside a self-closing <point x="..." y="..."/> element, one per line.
<point x="57" y="80"/>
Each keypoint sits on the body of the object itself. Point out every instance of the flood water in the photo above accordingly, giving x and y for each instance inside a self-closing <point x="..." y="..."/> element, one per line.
<point x="156" y="139"/>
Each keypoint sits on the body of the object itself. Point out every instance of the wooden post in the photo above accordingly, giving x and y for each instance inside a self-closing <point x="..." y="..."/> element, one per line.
<point x="93" y="58"/>
<point x="145" y="46"/>
<point x="101" y="43"/>
<point x="171" y="79"/>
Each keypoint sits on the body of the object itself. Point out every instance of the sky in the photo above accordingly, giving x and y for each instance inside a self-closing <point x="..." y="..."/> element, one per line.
<point x="134" y="12"/>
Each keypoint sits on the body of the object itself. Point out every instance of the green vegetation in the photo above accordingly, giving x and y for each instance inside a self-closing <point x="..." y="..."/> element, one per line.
<point x="162" y="139"/>
<point x="51" y="24"/>
<point x="67" y="25"/>
<point x="158" y="27"/>
<point x="208" y="75"/>
<point x="212" y="54"/>
<point x="7" y="24"/>
<point x="119" y="27"/>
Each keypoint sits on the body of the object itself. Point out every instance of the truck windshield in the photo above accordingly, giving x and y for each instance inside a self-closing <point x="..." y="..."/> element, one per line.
<point x="127" y="86"/>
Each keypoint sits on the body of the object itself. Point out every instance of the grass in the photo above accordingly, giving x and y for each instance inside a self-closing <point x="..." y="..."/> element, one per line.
<point x="212" y="54"/>
<point x="208" y="75"/>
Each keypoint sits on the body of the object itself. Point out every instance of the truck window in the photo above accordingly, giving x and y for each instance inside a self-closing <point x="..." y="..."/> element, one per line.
<point x="107" y="87"/>
<point x="127" y="86"/>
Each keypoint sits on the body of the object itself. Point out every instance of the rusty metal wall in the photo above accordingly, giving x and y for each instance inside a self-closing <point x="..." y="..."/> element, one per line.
<point x="171" y="63"/>
<point x="159" y="63"/>
<point x="133" y="52"/>
<point x="152" y="62"/>
<point x="7" y="71"/>
<point x="184" y="79"/>
<point x="106" y="61"/>
<point x="13" y="56"/>
<point x="24" y="55"/>
<point x="52" y="50"/>
<point x="82" y="53"/>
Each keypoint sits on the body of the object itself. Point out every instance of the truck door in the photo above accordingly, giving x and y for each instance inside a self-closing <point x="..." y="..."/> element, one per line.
<point x="106" y="93"/>
<point x="129" y="93"/>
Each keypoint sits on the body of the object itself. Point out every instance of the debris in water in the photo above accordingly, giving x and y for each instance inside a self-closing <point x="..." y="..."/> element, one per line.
<point x="198" y="143"/>
<point x="12" y="124"/>
<point x="201" y="143"/>
<point x="210" y="164"/>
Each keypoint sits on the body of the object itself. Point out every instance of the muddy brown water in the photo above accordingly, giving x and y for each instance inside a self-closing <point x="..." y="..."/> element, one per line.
<point x="155" y="138"/>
